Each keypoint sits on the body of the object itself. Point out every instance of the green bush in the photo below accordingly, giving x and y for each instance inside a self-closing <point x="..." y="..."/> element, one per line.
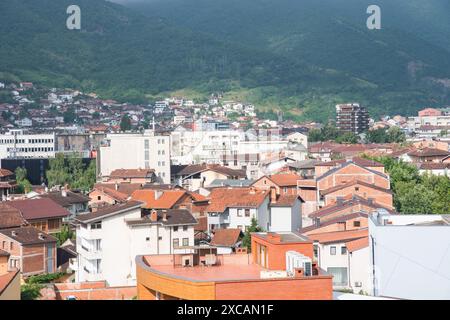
<point x="44" y="278"/>
<point x="30" y="291"/>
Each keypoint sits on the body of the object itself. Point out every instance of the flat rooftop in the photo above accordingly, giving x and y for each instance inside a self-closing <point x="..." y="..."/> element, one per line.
<point x="285" y="237"/>
<point x="233" y="267"/>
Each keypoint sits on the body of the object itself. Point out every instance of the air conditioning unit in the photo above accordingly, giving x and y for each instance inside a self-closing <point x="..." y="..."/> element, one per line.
<point x="296" y="260"/>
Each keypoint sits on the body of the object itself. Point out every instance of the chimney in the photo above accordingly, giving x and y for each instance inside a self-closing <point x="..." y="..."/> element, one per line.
<point x="298" y="273"/>
<point x="158" y="194"/>
<point x="164" y="216"/>
<point x="153" y="216"/>
<point x="273" y="195"/>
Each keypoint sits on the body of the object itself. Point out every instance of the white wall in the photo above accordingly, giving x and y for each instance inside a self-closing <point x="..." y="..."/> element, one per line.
<point x="411" y="262"/>
<point x="128" y="151"/>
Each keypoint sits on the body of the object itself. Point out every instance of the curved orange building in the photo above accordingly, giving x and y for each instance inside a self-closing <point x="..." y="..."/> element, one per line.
<point x="204" y="275"/>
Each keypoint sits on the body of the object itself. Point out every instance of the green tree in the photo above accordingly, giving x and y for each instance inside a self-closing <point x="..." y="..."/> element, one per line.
<point x="395" y="134"/>
<point x="125" y="123"/>
<point x="65" y="234"/>
<point x="23" y="184"/>
<point x="247" y="239"/>
<point x="347" y="137"/>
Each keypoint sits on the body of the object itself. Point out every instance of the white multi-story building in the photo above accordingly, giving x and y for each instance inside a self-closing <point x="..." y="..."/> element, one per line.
<point x="134" y="151"/>
<point x="109" y="240"/>
<point x="410" y="255"/>
<point x="19" y="144"/>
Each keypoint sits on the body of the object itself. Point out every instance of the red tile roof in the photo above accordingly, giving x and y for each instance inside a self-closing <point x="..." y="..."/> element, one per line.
<point x="285" y="179"/>
<point x="32" y="209"/>
<point x="166" y="200"/>
<point x="339" y="236"/>
<point x="5" y="173"/>
<point x="10" y="217"/>
<point x="352" y="183"/>
<point x="223" y="198"/>
<point x="357" y="244"/>
<point x="225" y="237"/>
<point x="429" y="152"/>
<point x="6" y="279"/>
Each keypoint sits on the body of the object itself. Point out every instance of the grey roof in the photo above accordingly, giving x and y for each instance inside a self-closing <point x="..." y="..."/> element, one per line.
<point x="173" y="217"/>
<point x="230" y="183"/>
<point x="109" y="211"/>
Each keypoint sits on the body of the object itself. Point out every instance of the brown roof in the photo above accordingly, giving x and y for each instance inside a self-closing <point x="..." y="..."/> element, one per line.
<point x="225" y="237"/>
<point x="39" y="208"/>
<point x="223" y="198"/>
<point x="286" y="200"/>
<point x="10" y="217"/>
<point x="433" y="166"/>
<point x="353" y="201"/>
<point x="113" y="193"/>
<point x="124" y="187"/>
<point x="366" y="162"/>
<point x="27" y="235"/>
<point x="131" y="173"/>
<point x="339" y="236"/>
<point x="202" y="224"/>
<point x="342" y="218"/>
<point x="68" y="200"/>
<point x="173" y="217"/>
<point x="428" y="152"/>
<point x="6" y="279"/>
<point x="108" y="211"/>
<point x="5" y="173"/>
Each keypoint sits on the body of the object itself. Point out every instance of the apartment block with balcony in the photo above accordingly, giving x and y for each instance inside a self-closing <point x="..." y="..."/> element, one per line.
<point x="109" y="239"/>
<point x="352" y="117"/>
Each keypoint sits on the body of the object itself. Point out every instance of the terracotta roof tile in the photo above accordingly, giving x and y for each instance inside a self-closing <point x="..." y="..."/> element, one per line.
<point x="222" y="198"/>
<point x="166" y="200"/>
<point x="131" y="173"/>
<point x="10" y="217"/>
<point x="428" y="152"/>
<point x="285" y="179"/>
<point x="351" y="183"/>
<point x="339" y="236"/>
<point x="225" y="237"/>
<point x="357" y="244"/>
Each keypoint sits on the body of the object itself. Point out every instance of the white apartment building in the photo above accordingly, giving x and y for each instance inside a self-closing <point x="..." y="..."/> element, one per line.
<point x="19" y="144"/>
<point x="410" y="255"/>
<point x="415" y="123"/>
<point x="109" y="240"/>
<point x="136" y="150"/>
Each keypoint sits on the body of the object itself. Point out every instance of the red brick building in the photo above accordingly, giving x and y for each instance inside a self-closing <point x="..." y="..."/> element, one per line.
<point x="30" y="250"/>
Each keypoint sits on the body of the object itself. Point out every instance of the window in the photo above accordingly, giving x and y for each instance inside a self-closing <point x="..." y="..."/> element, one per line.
<point x="343" y="250"/>
<point x="339" y="275"/>
<point x="176" y="243"/>
<point x="247" y="212"/>
<point x="11" y="246"/>
<point x="285" y="189"/>
<point x="4" y="245"/>
<point x="185" y="242"/>
<point x="96" y="225"/>
<point x="239" y="212"/>
<point x="159" y="238"/>
<point x="99" y="197"/>
<point x="175" y="229"/>
<point x="147" y="239"/>
<point x="357" y="223"/>
<point x="333" y="251"/>
<point x="185" y="228"/>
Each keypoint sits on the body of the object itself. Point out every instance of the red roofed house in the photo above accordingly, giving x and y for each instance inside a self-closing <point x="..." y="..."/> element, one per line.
<point x="31" y="250"/>
<point x="345" y="255"/>
<point x="141" y="176"/>
<point x="44" y="214"/>
<point x="9" y="279"/>
<point x="7" y="182"/>
<point x="226" y="240"/>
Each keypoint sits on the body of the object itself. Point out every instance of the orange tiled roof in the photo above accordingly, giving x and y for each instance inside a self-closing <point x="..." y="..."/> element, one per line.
<point x="222" y="198"/>
<point x="225" y="237"/>
<point x="357" y="244"/>
<point x="166" y="200"/>
<point x="339" y="236"/>
<point x="117" y="195"/>
<point x="285" y="179"/>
